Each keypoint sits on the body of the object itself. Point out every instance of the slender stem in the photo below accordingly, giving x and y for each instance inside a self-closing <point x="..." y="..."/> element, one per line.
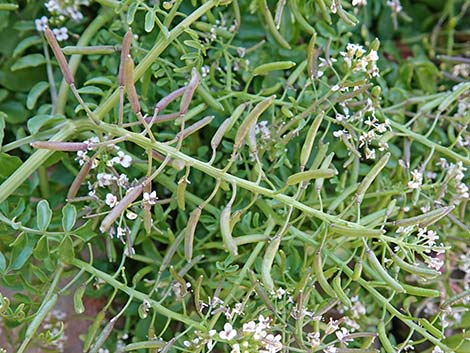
<point x="50" y="73"/>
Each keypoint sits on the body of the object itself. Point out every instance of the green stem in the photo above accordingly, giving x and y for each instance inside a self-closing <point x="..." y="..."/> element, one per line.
<point x="75" y="60"/>
<point x="136" y="294"/>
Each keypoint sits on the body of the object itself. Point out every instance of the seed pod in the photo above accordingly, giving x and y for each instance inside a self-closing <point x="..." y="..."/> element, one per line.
<point x="392" y="282"/>
<point x="326" y="163"/>
<point x="341" y="197"/>
<point x="226" y="126"/>
<point x="197" y="295"/>
<point x="263" y="6"/>
<point x="180" y="280"/>
<point x="322" y="281"/>
<point x="194" y="127"/>
<point x="415" y="269"/>
<point x="431" y="329"/>
<point x="267" y="263"/>
<point x="147" y="210"/>
<point x="278" y="14"/>
<point x="103" y="336"/>
<point x="168" y="346"/>
<point x="131" y="196"/>
<point x="207" y="97"/>
<point x="180" y="193"/>
<point x="322" y="149"/>
<point x="308" y="144"/>
<point x="336" y="284"/>
<point x="77" y="182"/>
<point x="189" y="91"/>
<point x="60" y="146"/>
<point x="348" y="18"/>
<point x="363" y="232"/>
<point x="125" y="51"/>
<point x="370" y="177"/>
<point x="386" y="344"/>
<point x="309" y="175"/>
<point x="225" y="230"/>
<point x="251" y="139"/>
<point x="93" y="330"/>
<point x="274" y="66"/>
<point x="357" y="270"/>
<point x="324" y="11"/>
<point x="165" y="101"/>
<point x="153" y="344"/>
<point x="171" y="251"/>
<point x="251" y="120"/>
<point x="130" y="86"/>
<point x="64" y="67"/>
<point x="77" y="299"/>
<point x="425" y="219"/>
<point x="189" y="233"/>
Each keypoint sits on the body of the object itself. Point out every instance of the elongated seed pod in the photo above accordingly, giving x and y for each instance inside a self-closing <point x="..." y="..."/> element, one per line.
<point x="309" y="139"/>
<point x="162" y="118"/>
<point x="77" y="182"/>
<point x="251" y="140"/>
<point x="251" y="120"/>
<point x="320" y="156"/>
<point x="180" y="280"/>
<point x="131" y="196"/>
<point x="357" y="270"/>
<point x="325" y="12"/>
<point x="189" y="91"/>
<point x="263" y="6"/>
<point x="197" y="295"/>
<point x="431" y="328"/>
<point x="293" y="78"/>
<point x="189" y="233"/>
<point x="180" y="193"/>
<point x="207" y="97"/>
<point x="165" y="101"/>
<point x="279" y="11"/>
<point x="264" y="69"/>
<point x="103" y="336"/>
<point x="415" y="269"/>
<point x="309" y="175"/>
<point x="342" y="196"/>
<point x="370" y="177"/>
<point x="226" y="231"/>
<point x="453" y="96"/>
<point x="194" y="127"/>
<point x="386" y="344"/>
<point x="293" y="6"/>
<point x="268" y="259"/>
<point x="91" y="49"/>
<point x="363" y="232"/>
<point x="93" y="330"/>
<point x="77" y="299"/>
<point x="312" y="57"/>
<point x="456" y="298"/>
<point x="425" y="219"/>
<point x="350" y="146"/>
<point x="60" y="146"/>
<point x="226" y="126"/>
<point x="345" y="16"/>
<point x="336" y="284"/>
<point x="64" y="67"/>
<point x="325" y="164"/>
<point x="168" y="346"/>
<point x="322" y="281"/>
<point x="130" y="86"/>
<point x="125" y="51"/>
<point x="392" y="282"/>
<point x="153" y="344"/>
<point x="171" y="252"/>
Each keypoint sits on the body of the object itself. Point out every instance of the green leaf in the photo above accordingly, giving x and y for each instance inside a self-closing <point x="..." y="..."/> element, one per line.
<point x="91" y="90"/>
<point x="39" y="122"/>
<point x="22" y="250"/>
<point x="2" y="127"/>
<point x="25" y="44"/>
<point x="8" y="164"/>
<point x="41" y="251"/>
<point x="31" y="60"/>
<point x="3" y="263"/>
<point x="37" y="90"/>
<point x="149" y="21"/>
<point x="131" y="12"/>
<point x="44" y="215"/>
<point x="66" y="251"/>
<point x="69" y="216"/>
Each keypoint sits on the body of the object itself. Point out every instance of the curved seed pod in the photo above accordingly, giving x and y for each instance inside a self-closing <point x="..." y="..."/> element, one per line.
<point x="189" y="233"/>
<point x="60" y="146"/>
<point x="165" y="101"/>
<point x="456" y="298"/>
<point x="325" y="12"/>
<point x="370" y="177"/>
<point x="326" y="163"/>
<point x="345" y="16"/>
<point x="308" y="144"/>
<point x="431" y="328"/>
<point x="180" y="280"/>
<point x="299" y="17"/>
<point x="309" y="175"/>
<point x="77" y="299"/>
<point x="103" y="336"/>
<point x="312" y="57"/>
<point x="363" y="232"/>
<point x="251" y="120"/>
<point x="125" y="51"/>
<point x="415" y="269"/>
<point x="425" y="219"/>
<point x="267" y="263"/>
<point x="194" y="127"/>
<point x="180" y="193"/>
<point x="278" y="14"/>
<point x="226" y="126"/>
<point x="274" y="66"/>
<point x="197" y="295"/>
<point x="336" y="284"/>
<point x="207" y="97"/>
<point x="131" y="196"/>
<point x="64" y="67"/>
<point x="392" y="282"/>
<point x="77" y="182"/>
<point x="386" y="344"/>
<point x="229" y="242"/>
<point x="130" y="86"/>
<point x="293" y="78"/>
<point x="93" y="330"/>
<point x="189" y="91"/>
<point x="263" y="6"/>
<point x="322" y="281"/>
<point x="357" y="270"/>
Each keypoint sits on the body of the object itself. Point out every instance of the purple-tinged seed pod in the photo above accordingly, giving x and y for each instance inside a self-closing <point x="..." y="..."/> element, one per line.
<point x="195" y="127"/>
<point x="60" y="146"/>
<point x="161" y="118"/>
<point x="189" y="234"/>
<point x="64" y="67"/>
<point x="130" y="86"/>
<point x="177" y="164"/>
<point x="165" y="101"/>
<point x="125" y="51"/>
<point x="189" y="91"/>
<point x="130" y="197"/>
<point x="79" y="179"/>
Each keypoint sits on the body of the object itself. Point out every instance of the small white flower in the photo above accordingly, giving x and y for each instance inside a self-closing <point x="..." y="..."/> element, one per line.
<point x="314" y="339"/>
<point x="228" y="333"/>
<point x="61" y="33"/>
<point x="359" y="2"/>
<point x="335" y="88"/>
<point x="235" y="348"/>
<point x="437" y="349"/>
<point x="330" y="349"/>
<point x="279" y="293"/>
<point x="111" y="200"/>
<point x="417" y="180"/>
<point x="105" y="179"/>
<point x="123" y="159"/>
<point x="150" y="198"/>
<point x="52" y="5"/>
<point x="131" y="215"/>
<point x="41" y="23"/>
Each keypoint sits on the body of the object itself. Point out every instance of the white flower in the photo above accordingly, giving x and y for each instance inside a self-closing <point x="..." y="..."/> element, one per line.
<point x="105" y="179"/>
<point x="61" y="33"/>
<point x="333" y="325"/>
<point x="235" y="348"/>
<point x="41" y="23"/>
<point x="82" y="157"/>
<point x="280" y="292"/>
<point x="314" y="339"/>
<point x="343" y="335"/>
<point x="123" y="181"/>
<point x="435" y="263"/>
<point x="437" y="349"/>
<point x="74" y="14"/>
<point x="359" y="2"/>
<point x="228" y="333"/>
<point x="273" y="343"/>
<point x="131" y="215"/>
<point x="330" y="349"/>
<point x="417" y="180"/>
<point x="122" y="159"/>
<point x="52" y="5"/>
<point x="111" y="200"/>
<point x="151" y="198"/>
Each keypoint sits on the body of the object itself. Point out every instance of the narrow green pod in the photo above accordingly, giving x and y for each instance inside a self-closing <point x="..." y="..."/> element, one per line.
<point x="309" y="140"/>
<point x="456" y="298"/>
<point x="425" y="219"/>
<point x="267" y="264"/>
<point x="357" y="270"/>
<point x="310" y="174"/>
<point x="431" y="328"/>
<point x="225" y="230"/>
<point x="299" y="17"/>
<point x="320" y="276"/>
<point x="325" y="164"/>
<point x="375" y="263"/>
<point x="370" y="177"/>
<point x="180" y="193"/>
<point x="226" y="126"/>
<point x="208" y="98"/>
<point x="153" y="344"/>
<point x="197" y="295"/>
<point x="189" y="233"/>
<point x="263" y="6"/>
<point x="336" y="284"/>
<point x="386" y="344"/>
<point x="180" y="280"/>
<point x="130" y="85"/>
<point x="77" y="299"/>
<point x="103" y="336"/>
<point x="312" y="57"/>
<point x="415" y="269"/>
<point x="251" y="120"/>
<point x="356" y="232"/>
<point x="274" y="66"/>
<point x="125" y="51"/>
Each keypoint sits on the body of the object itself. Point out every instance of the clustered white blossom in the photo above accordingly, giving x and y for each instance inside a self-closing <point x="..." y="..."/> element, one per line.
<point x="355" y="59"/>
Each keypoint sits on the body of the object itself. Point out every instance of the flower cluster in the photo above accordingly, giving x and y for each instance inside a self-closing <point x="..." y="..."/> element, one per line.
<point x="355" y="59"/>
